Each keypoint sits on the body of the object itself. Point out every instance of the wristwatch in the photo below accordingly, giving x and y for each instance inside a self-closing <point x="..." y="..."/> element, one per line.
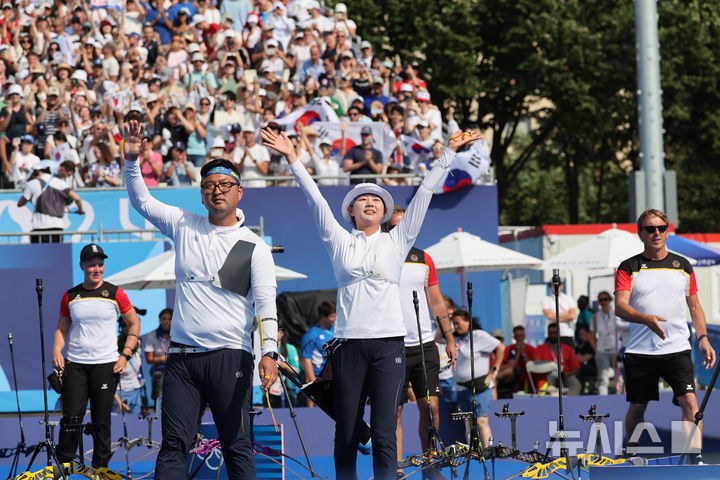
<point x="273" y="355"/>
<point x="126" y="356"/>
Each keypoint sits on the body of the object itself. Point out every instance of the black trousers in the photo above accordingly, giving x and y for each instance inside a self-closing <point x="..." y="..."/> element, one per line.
<point x="83" y="382"/>
<point x="363" y="368"/>
<point x="222" y="379"/>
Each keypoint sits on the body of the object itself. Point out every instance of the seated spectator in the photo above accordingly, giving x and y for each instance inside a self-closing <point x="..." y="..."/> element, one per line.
<point x="570" y="364"/>
<point x="519" y="352"/>
<point x="505" y="379"/>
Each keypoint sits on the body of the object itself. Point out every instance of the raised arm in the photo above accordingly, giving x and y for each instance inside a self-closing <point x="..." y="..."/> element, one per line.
<point x="327" y="225"/>
<point x="163" y="216"/>
<point x="405" y="233"/>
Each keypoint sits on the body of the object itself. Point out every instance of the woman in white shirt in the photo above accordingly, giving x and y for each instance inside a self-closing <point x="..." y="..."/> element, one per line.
<point x="483" y="345"/>
<point x="370" y="360"/>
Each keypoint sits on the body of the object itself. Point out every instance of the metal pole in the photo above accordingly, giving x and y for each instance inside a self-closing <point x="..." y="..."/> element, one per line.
<point x="652" y="156"/>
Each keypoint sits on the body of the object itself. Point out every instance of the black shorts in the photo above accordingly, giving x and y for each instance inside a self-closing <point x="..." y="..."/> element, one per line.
<point x="642" y="373"/>
<point x="414" y="371"/>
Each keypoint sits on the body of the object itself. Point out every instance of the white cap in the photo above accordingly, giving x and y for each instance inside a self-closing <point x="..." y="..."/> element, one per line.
<point x="198" y="18"/>
<point x="406" y="87"/>
<point x="15" y="89"/>
<point x="218" y="142"/>
<point x="365" y="44"/>
<point x="364" y="189"/>
<point x="198" y="57"/>
<point x="340" y="8"/>
<point x="80" y="75"/>
<point x="271" y="42"/>
<point x="313" y="4"/>
<point x="193" y="47"/>
<point x="252" y="18"/>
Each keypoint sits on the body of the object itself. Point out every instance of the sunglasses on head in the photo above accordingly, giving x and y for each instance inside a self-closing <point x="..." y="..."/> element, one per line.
<point x="651" y="228"/>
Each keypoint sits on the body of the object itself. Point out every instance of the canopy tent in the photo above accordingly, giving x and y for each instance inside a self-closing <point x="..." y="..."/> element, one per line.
<point x="461" y="252"/>
<point x="606" y="250"/>
<point x="159" y="272"/>
<point x="704" y="254"/>
<point x="464" y="252"/>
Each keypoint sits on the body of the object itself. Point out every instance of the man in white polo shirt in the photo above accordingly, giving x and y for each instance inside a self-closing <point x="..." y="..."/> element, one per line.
<point x="225" y="278"/>
<point x="568" y="313"/>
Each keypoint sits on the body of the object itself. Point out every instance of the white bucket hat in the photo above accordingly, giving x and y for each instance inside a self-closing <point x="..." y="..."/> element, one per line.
<point x="365" y="189"/>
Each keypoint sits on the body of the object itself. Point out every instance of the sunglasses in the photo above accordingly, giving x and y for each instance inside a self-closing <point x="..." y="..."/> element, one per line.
<point x="652" y="228"/>
<point x="205" y="104"/>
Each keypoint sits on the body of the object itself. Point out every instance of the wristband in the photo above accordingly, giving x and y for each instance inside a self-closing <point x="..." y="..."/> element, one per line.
<point x="701" y="337"/>
<point x="493" y="368"/>
<point x="126" y="356"/>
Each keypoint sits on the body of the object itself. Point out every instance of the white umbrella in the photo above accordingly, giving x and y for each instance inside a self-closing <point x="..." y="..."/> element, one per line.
<point x="159" y="272"/>
<point x="607" y="250"/>
<point x="462" y="252"/>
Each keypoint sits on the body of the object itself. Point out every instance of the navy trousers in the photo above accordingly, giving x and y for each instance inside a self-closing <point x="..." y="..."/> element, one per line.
<point x="363" y="368"/>
<point x="223" y="380"/>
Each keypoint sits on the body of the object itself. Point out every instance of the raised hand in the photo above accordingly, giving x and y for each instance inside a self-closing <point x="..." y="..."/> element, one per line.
<point x="133" y="136"/>
<point x="280" y="143"/>
<point x="460" y="138"/>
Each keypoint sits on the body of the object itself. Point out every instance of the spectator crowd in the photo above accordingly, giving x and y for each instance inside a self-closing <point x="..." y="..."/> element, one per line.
<point x="205" y="78"/>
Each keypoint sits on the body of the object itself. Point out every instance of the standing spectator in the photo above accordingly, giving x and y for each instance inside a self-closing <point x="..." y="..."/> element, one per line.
<point x="179" y="171"/>
<point x="363" y="159"/>
<point x="50" y="195"/>
<point x="484" y="345"/>
<point x="568" y="313"/>
<point x="15" y="121"/>
<point x="86" y="331"/>
<point x="376" y="101"/>
<point x="106" y="171"/>
<point x="653" y="282"/>
<point x="131" y="383"/>
<point x="585" y="352"/>
<point x="605" y="326"/>
<point x="22" y="160"/>
<point x="584" y="315"/>
<point x="156" y="344"/>
<point x="196" y="147"/>
<point x="151" y="168"/>
<point x="570" y="364"/>
<point x="253" y="159"/>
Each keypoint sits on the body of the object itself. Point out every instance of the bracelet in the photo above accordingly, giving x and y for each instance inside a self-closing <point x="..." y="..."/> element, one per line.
<point x="132" y="335"/>
<point x="704" y="335"/>
<point x="129" y="348"/>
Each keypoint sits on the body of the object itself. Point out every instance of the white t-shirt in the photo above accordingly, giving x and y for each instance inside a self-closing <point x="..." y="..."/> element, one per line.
<point x="328" y="168"/>
<point x="33" y="190"/>
<point x="23" y="166"/>
<point x="566" y="303"/>
<point x="484" y="345"/>
<point x="258" y="153"/>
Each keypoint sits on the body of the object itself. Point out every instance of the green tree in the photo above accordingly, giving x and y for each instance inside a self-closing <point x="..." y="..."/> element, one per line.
<point x="566" y="69"/>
